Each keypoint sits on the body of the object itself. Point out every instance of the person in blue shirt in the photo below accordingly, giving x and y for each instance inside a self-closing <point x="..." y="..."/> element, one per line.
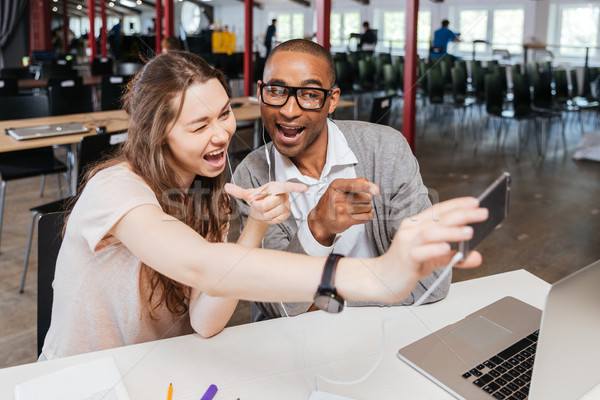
<point x="441" y="37"/>
<point x="271" y="33"/>
<point x="116" y="33"/>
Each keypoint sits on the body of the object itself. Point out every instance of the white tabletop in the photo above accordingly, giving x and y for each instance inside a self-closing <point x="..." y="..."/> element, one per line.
<point x="262" y="360"/>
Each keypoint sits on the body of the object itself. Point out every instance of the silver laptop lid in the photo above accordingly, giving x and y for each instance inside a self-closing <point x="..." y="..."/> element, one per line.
<point x="42" y="131"/>
<point x="566" y="363"/>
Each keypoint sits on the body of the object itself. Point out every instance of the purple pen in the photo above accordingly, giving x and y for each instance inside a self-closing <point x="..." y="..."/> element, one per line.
<point x="210" y="392"/>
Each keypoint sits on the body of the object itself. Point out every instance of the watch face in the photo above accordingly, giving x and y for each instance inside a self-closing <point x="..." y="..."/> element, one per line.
<point x="329" y="302"/>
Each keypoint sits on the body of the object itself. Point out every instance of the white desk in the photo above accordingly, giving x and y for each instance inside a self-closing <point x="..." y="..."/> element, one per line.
<point x="261" y="360"/>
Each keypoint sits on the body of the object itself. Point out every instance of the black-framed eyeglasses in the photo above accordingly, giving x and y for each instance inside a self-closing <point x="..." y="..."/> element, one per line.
<point x="308" y="98"/>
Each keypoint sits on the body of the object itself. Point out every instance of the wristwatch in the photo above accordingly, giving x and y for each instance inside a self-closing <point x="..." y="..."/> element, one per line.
<point x="327" y="298"/>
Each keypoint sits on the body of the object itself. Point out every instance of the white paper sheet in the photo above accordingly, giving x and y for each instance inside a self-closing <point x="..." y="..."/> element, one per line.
<point x="95" y="380"/>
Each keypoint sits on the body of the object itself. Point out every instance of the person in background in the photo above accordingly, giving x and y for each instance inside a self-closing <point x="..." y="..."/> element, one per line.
<point x="142" y="256"/>
<point x="169" y="43"/>
<point x="362" y="178"/>
<point x="270" y="36"/>
<point x="441" y="38"/>
<point x="367" y="39"/>
<point x="116" y="33"/>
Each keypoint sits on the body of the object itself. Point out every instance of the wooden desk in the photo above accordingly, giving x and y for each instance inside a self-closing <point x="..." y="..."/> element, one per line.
<point x="262" y="360"/>
<point x="113" y="120"/>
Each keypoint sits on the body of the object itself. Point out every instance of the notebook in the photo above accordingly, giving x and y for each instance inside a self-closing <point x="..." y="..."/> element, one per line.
<point x="511" y="350"/>
<point x="42" y="131"/>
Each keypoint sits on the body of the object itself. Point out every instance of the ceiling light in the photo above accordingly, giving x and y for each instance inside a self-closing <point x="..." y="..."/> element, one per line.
<point x="138" y="2"/>
<point x="111" y="4"/>
<point x="79" y="7"/>
<point x="55" y="9"/>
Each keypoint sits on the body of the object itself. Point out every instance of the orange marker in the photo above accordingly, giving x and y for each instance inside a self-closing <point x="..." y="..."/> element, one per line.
<point x="170" y="392"/>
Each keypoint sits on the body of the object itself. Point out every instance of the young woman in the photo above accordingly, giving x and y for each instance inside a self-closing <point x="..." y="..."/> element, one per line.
<point x="143" y="258"/>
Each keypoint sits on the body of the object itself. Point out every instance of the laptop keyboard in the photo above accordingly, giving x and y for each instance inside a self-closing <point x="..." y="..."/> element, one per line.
<point x="507" y="374"/>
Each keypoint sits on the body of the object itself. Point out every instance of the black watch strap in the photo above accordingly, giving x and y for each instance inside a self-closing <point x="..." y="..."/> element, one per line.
<point x="328" y="278"/>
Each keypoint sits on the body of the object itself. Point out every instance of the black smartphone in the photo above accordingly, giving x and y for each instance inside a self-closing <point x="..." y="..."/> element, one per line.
<point x="495" y="199"/>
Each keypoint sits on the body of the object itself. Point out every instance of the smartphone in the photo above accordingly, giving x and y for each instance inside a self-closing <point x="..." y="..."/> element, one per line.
<point x="495" y="199"/>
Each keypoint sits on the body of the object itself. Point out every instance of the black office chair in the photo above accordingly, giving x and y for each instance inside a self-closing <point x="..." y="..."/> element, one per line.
<point x="91" y="150"/>
<point x="19" y="107"/>
<point x="69" y="96"/>
<point x="113" y="87"/>
<point x="101" y="66"/>
<point x="9" y="87"/>
<point x="50" y="237"/>
<point x="381" y="110"/>
<point x="58" y="70"/>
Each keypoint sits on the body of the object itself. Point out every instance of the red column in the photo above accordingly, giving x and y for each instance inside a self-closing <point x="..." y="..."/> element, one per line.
<point x="248" y="35"/>
<point x="92" y="33"/>
<point x="169" y="17"/>
<point x="103" y="30"/>
<point x="65" y="29"/>
<point x="410" y="72"/>
<point x="158" y="27"/>
<point x="40" y="35"/>
<point x="323" y="23"/>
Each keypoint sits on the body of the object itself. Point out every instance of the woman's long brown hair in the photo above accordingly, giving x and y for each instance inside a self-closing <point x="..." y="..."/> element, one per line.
<point x="153" y="100"/>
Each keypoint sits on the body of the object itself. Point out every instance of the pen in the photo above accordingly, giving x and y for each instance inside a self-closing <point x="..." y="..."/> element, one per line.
<point x="210" y="393"/>
<point x="170" y="392"/>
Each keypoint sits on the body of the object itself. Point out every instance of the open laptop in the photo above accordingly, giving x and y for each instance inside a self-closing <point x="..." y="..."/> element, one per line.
<point x="42" y="131"/>
<point x="490" y="354"/>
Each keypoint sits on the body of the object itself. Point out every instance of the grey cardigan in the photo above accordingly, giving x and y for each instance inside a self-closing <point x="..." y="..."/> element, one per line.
<point x="384" y="158"/>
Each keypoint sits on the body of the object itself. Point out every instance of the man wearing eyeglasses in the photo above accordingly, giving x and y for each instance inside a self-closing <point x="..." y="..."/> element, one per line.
<point x="362" y="178"/>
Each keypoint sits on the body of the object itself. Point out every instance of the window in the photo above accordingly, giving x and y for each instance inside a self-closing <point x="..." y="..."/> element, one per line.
<point x="341" y="25"/>
<point x="502" y="27"/>
<point x="394" y="29"/>
<point x="424" y="29"/>
<point x="508" y="30"/>
<point x="335" y="29"/>
<point x="472" y="25"/>
<point x="352" y="24"/>
<point x="289" y="26"/>
<point x="578" y="27"/>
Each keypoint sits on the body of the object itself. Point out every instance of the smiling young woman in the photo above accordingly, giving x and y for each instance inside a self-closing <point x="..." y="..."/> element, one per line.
<point x="141" y="258"/>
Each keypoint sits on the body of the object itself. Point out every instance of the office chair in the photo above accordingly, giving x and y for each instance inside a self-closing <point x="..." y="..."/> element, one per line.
<point x="381" y="110"/>
<point x="69" y="96"/>
<point x="9" y="87"/>
<point x="19" y="107"/>
<point x="91" y="150"/>
<point x="112" y="87"/>
<point x="49" y="241"/>
<point x="101" y="66"/>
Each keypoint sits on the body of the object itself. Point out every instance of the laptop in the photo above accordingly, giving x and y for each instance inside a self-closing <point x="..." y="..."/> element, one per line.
<point x="42" y="131"/>
<point x="511" y="350"/>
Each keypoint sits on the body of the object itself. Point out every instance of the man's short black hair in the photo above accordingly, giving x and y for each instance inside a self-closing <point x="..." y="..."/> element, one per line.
<point x="307" y="47"/>
<point x="445" y="23"/>
<point x="274" y="20"/>
<point x="366" y="24"/>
